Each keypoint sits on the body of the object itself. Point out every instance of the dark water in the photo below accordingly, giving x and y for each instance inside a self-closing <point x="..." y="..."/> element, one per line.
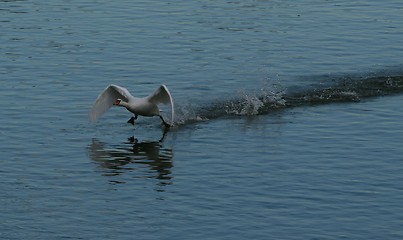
<point x="288" y="126"/>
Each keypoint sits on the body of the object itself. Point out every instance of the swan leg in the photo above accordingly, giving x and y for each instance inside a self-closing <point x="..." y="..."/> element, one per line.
<point x="164" y="134"/>
<point x="165" y="123"/>
<point x="131" y="120"/>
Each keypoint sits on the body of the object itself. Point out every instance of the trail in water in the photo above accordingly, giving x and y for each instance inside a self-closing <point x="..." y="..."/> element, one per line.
<point x="265" y="101"/>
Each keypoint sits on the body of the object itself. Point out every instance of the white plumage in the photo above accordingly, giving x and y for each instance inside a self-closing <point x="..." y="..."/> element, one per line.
<point x="120" y="96"/>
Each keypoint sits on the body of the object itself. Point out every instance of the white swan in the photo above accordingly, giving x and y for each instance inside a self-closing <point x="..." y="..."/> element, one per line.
<point x="147" y="106"/>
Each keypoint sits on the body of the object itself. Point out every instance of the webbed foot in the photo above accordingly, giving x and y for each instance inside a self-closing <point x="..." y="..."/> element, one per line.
<point x="131" y="120"/>
<point x="167" y="126"/>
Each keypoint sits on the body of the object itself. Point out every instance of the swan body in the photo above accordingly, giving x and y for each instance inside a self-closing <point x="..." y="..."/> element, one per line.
<point x="146" y="106"/>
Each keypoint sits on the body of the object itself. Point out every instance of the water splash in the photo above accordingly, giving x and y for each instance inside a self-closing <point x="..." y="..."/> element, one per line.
<point x="256" y="103"/>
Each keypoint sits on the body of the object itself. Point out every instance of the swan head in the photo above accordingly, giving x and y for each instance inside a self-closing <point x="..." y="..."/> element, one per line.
<point x="118" y="102"/>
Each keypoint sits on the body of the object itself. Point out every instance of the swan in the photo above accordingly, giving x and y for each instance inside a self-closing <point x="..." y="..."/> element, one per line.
<point x="114" y="95"/>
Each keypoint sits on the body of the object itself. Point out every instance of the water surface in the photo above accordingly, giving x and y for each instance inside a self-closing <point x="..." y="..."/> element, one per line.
<point x="288" y="120"/>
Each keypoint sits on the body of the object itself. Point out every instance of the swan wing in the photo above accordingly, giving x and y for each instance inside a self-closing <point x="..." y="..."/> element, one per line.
<point x="106" y="99"/>
<point x="162" y="95"/>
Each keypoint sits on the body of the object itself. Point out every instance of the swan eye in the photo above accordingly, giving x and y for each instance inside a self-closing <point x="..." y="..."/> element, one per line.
<point x="117" y="102"/>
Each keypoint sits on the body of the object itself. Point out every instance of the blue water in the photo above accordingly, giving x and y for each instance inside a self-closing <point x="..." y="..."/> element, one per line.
<point x="288" y="125"/>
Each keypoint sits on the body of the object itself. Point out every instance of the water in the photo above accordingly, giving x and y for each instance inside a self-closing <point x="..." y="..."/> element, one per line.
<point x="288" y="120"/>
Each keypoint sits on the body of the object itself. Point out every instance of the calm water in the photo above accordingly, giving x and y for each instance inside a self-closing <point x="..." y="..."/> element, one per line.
<point x="289" y="120"/>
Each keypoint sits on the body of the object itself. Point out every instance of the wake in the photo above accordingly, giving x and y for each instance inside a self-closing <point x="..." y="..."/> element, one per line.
<point x="268" y="100"/>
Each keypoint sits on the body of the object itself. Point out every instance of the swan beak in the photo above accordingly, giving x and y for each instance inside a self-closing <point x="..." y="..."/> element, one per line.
<point x="117" y="102"/>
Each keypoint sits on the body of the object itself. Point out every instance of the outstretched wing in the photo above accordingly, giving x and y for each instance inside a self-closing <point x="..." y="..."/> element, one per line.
<point x="106" y="99"/>
<point x="162" y="95"/>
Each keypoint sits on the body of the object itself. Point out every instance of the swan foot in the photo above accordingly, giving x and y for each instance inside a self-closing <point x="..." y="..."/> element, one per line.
<point x="132" y="139"/>
<point x="131" y="120"/>
<point x="167" y="126"/>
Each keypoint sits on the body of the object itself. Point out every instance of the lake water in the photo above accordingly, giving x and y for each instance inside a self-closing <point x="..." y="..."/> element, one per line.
<point x="288" y="125"/>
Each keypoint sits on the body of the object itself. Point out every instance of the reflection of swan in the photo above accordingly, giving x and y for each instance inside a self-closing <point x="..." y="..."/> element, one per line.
<point x="117" y="160"/>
